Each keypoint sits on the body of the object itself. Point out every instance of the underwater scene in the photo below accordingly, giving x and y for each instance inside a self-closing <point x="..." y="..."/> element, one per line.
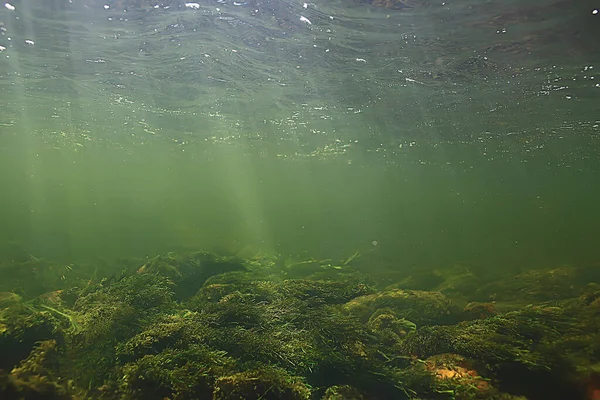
<point x="300" y="199"/>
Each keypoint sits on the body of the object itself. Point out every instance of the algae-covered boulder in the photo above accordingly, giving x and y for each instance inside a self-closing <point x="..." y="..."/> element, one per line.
<point x="8" y="298"/>
<point x="477" y="310"/>
<point x="294" y="324"/>
<point x="455" y="373"/>
<point x="530" y="352"/>
<point x="190" y="271"/>
<point x="179" y="330"/>
<point x="419" y="307"/>
<point x="35" y="378"/>
<point x="342" y="392"/>
<point x="110" y="312"/>
<point x="175" y="374"/>
<point x="449" y="377"/>
<point x="266" y="383"/>
<point x="539" y="285"/>
<point x="21" y="327"/>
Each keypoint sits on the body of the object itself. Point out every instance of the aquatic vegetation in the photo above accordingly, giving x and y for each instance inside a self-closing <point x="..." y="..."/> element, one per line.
<point x="8" y="298"/>
<point x="420" y="307"/>
<point x="478" y="310"/>
<point x="21" y="327"/>
<point x="342" y="392"/>
<point x="263" y="383"/>
<point x="174" y="372"/>
<point x="35" y="378"/>
<point x="74" y="328"/>
<point x="539" y="285"/>
<point x="533" y="345"/>
<point x="248" y="332"/>
<point x="190" y="271"/>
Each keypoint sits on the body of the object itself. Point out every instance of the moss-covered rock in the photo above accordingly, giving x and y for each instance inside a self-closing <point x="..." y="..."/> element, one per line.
<point x="266" y="383"/>
<point x="538" y="285"/>
<point x="35" y="377"/>
<point x="201" y="326"/>
<point x="111" y="312"/>
<point x="21" y="327"/>
<point x="8" y="298"/>
<point x="419" y="307"/>
<point x="520" y="349"/>
<point x="343" y="392"/>
<point x="173" y="373"/>
<point x="190" y="271"/>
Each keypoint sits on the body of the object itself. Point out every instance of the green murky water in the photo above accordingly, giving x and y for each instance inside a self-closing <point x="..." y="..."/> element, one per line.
<point x="464" y="132"/>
